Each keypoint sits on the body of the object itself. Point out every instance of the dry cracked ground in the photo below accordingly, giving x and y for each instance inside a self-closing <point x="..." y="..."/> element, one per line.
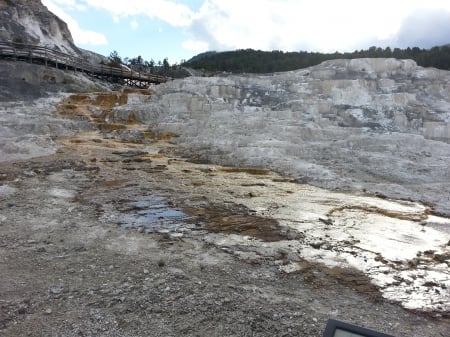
<point x="107" y="230"/>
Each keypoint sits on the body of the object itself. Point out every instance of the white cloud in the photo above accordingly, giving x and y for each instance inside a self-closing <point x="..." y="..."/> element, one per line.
<point x="175" y="14"/>
<point x="426" y="28"/>
<point x="319" y="25"/>
<point x="80" y="35"/>
<point x="88" y="37"/>
<point x="195" y="46"/>
<point x="134" y="24"/>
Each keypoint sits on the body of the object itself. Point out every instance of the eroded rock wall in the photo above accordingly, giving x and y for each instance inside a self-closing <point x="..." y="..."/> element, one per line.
<point x="29" y="21"/>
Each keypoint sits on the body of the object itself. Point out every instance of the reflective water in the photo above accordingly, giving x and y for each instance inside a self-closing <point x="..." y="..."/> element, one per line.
<point x="152" y="213"/>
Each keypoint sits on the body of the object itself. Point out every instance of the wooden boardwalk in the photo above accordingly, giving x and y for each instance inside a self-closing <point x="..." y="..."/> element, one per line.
<point x="56" y="59"/>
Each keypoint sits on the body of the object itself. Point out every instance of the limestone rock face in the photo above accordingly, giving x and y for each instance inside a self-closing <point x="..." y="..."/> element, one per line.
<point x="381" y="125"/>
<point x="29" y="21"/>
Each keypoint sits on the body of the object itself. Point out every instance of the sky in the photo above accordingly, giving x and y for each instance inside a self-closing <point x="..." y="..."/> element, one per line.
<point x="180" y="29"/>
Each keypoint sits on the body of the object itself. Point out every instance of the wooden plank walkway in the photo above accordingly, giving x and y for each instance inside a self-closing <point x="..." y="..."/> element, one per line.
<point x="56" y="59"/>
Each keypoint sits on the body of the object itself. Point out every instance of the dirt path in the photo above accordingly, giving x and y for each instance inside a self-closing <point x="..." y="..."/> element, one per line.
<point x="114" y="235"/>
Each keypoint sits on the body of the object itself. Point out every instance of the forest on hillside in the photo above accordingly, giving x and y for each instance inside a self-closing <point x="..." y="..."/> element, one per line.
<point x="162" y="68"/>
<point x="257" y="61"/>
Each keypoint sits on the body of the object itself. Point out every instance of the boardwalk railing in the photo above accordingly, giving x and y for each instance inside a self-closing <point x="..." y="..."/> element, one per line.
<point x="54" y="58"/>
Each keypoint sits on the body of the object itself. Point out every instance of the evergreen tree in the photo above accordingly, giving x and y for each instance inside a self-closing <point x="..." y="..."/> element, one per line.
<point x="115" y="59"/>
<point x="249" y="60"/>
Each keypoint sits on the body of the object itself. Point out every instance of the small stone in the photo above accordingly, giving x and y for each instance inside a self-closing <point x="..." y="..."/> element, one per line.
<point x="48" y="311"/>
<point x="22" y="310"/>
<point x="56" y="290"/>
<point x="316" y="245"/>
<point x="146" y="271"/>
<point x="442" y="257"/>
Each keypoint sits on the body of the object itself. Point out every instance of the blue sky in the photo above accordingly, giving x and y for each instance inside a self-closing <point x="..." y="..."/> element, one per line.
<point x="180" y="29"/>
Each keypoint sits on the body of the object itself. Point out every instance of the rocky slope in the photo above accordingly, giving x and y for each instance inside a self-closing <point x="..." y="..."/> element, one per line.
<point x="107" y="231"/>
<point x="30" y="22"/>
<point x="378" y="125"/>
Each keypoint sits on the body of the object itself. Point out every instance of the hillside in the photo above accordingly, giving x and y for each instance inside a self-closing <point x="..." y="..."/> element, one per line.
<point x="30" y="22"/>
<point x="257" y="61"/>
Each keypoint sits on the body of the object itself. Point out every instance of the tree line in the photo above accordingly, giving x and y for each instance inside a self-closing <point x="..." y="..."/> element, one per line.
<point x="138" y="63"/>
<point x="257" y="61"/>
